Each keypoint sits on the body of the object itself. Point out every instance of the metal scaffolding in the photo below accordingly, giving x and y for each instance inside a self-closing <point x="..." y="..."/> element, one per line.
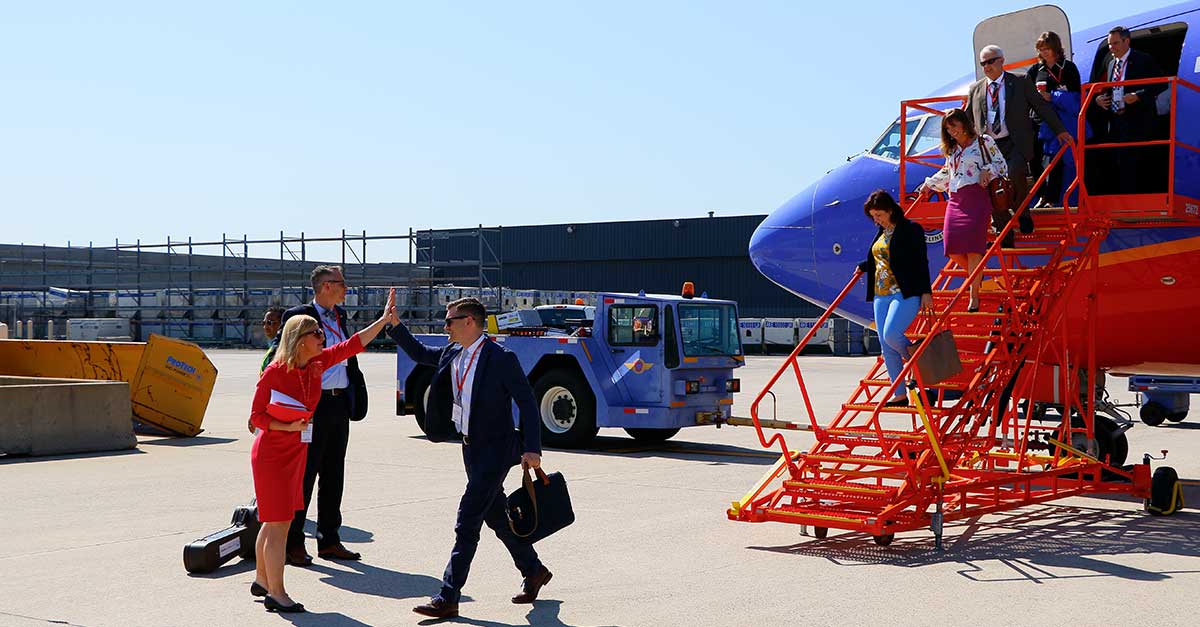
<point x="215" y="291"/>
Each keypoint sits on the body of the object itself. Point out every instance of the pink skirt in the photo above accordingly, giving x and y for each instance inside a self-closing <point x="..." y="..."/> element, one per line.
<point x="968" y="215"/>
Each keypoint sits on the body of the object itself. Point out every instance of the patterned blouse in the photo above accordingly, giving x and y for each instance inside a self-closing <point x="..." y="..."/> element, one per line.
<point x="885" y="281"/>
<point x="963" y="166"/>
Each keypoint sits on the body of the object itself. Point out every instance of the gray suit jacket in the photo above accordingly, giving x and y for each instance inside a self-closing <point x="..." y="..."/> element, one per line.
<point x="1020" y="96"/>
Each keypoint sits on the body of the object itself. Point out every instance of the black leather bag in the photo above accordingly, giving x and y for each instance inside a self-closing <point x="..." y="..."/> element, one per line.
<point x="539" y="508"/>
<point x="210" y="552"/>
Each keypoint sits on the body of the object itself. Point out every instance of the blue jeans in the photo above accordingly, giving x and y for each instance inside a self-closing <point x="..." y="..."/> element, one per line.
<point x="893" y="314"/>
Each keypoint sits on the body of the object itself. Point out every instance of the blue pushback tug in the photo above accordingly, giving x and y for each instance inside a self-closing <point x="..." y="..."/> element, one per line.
<point x="648" y="363"/>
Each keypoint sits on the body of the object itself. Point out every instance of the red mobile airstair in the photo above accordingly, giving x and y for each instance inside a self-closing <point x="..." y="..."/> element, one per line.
<point x="975" y="443"/>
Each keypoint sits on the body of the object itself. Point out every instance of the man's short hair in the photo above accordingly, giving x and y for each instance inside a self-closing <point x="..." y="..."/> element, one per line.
<point x="1121" y="32"/>
<point x="993" y="49"/>
<point x="469" y="306"/>
<point x="275" y="311"/>
<point x="320" y="274"/>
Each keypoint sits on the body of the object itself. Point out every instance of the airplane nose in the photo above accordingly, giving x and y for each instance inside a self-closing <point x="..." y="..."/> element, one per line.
<point x="782" y="247"/>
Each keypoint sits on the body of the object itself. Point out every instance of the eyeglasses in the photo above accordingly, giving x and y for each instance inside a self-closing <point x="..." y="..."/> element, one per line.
<point x="450" y="319"/>
<point x="987" y="62"/>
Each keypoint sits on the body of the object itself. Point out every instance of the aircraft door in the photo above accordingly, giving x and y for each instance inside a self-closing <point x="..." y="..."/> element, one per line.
<point x="1016" y="33"/>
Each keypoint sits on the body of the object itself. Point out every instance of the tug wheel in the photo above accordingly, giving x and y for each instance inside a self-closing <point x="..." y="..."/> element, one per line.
<point x="1153" y="413"/>
<point x="820" y="533"/>
<point x="567" y="408"/>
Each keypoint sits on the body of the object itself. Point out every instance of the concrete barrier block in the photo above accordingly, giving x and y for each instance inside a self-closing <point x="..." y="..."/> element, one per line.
<point x="41" y="416"/>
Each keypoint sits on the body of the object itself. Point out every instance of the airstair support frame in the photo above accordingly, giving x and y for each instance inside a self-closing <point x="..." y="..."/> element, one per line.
<point x="870" y="472"/>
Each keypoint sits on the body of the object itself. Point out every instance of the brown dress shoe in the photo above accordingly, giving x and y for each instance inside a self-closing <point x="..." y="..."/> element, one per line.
<point x="532" y="585"/>
<point x="297" y="556"/>
<point x="338" y="552"/>
<point x="437" y="607"/>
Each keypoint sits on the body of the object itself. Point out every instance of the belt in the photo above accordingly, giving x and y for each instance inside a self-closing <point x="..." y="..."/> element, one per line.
<point x="334" y="392"/>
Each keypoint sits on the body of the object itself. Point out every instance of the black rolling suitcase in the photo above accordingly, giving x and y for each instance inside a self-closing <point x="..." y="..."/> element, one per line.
<point x="210" y="552"/>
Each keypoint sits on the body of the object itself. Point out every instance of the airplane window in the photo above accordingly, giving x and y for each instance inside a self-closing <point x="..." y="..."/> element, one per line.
<point x="888" y="146"/>
<point x="930" y="137"/>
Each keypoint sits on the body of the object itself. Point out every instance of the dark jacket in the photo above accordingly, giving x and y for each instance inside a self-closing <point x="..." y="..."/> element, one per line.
<point x="499" y="381"/>
<point x="1139" y="117"/>
<point x="908" y="257"/>
<point x="1020" y="97"/>
<point x="358" y="384"/>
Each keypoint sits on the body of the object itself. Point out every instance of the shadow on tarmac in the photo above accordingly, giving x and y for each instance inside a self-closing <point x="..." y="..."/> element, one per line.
<point x="1037" y="544"/>
<point x="542" y="613"/>
<point x="198" y="440"/>
<point x="30" y="459"/>
<point x="347" y="534"/>
<point x="363" y="578"/>
<point x="629" y="447"/>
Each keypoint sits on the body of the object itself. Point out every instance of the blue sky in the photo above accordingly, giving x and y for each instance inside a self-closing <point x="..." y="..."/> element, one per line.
<point x="153" y="119"/>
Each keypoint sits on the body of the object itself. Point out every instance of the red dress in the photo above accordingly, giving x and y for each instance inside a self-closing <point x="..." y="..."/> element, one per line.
<point x="277" y="457"/>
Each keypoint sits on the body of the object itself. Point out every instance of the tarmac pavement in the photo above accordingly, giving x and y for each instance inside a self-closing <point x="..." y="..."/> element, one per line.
<point x="96" y="540"/>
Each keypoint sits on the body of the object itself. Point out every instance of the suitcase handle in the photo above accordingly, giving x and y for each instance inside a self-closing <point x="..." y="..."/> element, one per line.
<point x="527" y="481"/>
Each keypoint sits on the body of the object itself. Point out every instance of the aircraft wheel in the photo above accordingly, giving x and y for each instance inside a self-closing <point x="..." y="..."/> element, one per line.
<point x="885" y="539"/>
<point x="1166" y="494"/>
<point x="651" y="435"/>
<point x="1112" y="444"/>
<point x="567" y="408"/>
<point x="1177" y="416"/>
<point x="1153" y="413"/>
<point x="820" y="533"/>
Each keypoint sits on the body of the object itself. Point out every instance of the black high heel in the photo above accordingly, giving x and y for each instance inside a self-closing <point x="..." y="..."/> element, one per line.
<point x="275" y="606"/>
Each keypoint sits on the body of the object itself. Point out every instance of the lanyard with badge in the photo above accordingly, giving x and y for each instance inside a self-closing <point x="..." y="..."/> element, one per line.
<point x="460" y="379"/>
<point x="337" y="334"/>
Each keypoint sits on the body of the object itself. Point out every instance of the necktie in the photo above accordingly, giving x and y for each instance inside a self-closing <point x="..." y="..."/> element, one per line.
<point x="995" y="94"/>
<point x="1118" y="71"/>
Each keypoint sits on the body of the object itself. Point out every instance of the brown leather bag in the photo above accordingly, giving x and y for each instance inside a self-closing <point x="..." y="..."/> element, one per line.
<point x="939" y="361"/>
<point x="1000" y="188"/>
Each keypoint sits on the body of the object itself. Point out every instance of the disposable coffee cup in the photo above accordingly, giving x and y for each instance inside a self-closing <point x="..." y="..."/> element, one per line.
<point x="1041" y="86"/>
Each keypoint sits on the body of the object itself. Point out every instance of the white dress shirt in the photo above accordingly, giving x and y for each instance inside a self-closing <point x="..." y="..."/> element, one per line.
<point x="1118" y="91"/>
<point x="987" y="99"/>
<point x="335" y="376"/>
<point x="463" y="369"/>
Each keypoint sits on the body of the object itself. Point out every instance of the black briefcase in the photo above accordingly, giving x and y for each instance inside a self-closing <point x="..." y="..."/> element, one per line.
<point x="539" y="508"/>
<point x="210" y="552"/>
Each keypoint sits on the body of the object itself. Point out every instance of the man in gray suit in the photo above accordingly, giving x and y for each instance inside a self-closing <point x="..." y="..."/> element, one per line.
<point x="1000" y="103"/>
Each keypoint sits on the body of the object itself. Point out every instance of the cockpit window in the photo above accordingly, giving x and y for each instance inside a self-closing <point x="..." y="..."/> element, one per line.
<point x="929" y="138"/>
<point x="888" y="146"/>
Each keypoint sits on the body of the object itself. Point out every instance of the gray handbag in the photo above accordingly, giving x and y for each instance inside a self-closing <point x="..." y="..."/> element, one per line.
<point x="939" y="360"/>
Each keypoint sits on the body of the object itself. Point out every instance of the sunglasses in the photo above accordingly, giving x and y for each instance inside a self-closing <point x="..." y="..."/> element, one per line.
<point x="990" y="61"/>
<point x="450" y="320"/>
<point x="317" y="332"/>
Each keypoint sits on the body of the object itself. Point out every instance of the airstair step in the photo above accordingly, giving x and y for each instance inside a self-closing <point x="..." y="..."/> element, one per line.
<point x="885" y="383"/>
<point x="848" y="458"/>
<point x="888" y="434"/>
<point x="815" y="516"/>
<point x="994" y="271"/>
<point x="825" y="490"/>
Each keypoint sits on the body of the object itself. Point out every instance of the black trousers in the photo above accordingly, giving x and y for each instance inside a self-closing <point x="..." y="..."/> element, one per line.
<point x="482" y="502"/>
<point x="326" y="460"/>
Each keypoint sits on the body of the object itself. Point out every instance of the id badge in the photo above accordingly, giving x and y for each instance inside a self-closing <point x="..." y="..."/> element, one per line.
<point x="991" y="117"/>
<point x="306" y="435"/>
<point x="456" y="413"/>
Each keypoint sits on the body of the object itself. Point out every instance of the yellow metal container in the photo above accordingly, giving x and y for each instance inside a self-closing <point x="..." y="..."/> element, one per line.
<point x="170" y="381"/>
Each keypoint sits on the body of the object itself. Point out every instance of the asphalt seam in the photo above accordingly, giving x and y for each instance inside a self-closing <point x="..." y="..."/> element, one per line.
<point x="45" y="620"/>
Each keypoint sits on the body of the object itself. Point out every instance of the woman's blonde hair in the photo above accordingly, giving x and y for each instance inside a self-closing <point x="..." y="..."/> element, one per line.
<point x="294" y="330"/>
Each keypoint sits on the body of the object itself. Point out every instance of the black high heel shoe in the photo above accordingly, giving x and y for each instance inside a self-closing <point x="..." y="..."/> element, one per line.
<point x="972" y="308"/>
<point x="275" y="606"/>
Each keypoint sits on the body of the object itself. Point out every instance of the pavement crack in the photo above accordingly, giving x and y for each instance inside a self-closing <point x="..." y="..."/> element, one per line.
<point x="44" y="620"/>
<point x="89" y="546"/>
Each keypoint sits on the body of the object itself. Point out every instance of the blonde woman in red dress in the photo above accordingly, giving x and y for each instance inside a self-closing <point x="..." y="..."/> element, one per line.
<point x="278" y="455"/>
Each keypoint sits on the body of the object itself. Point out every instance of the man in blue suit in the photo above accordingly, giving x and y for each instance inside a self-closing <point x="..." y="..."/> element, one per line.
<point x="474" y="386"/>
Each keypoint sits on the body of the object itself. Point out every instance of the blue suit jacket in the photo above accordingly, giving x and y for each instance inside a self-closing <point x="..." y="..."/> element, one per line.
<point x="499" y="381"/>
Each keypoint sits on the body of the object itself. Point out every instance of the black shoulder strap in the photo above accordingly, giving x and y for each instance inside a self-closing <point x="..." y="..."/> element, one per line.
<point x="983" y="151"/>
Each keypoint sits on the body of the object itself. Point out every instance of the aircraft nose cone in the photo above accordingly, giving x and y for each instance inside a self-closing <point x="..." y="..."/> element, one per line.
<point x="782" y="245"/>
